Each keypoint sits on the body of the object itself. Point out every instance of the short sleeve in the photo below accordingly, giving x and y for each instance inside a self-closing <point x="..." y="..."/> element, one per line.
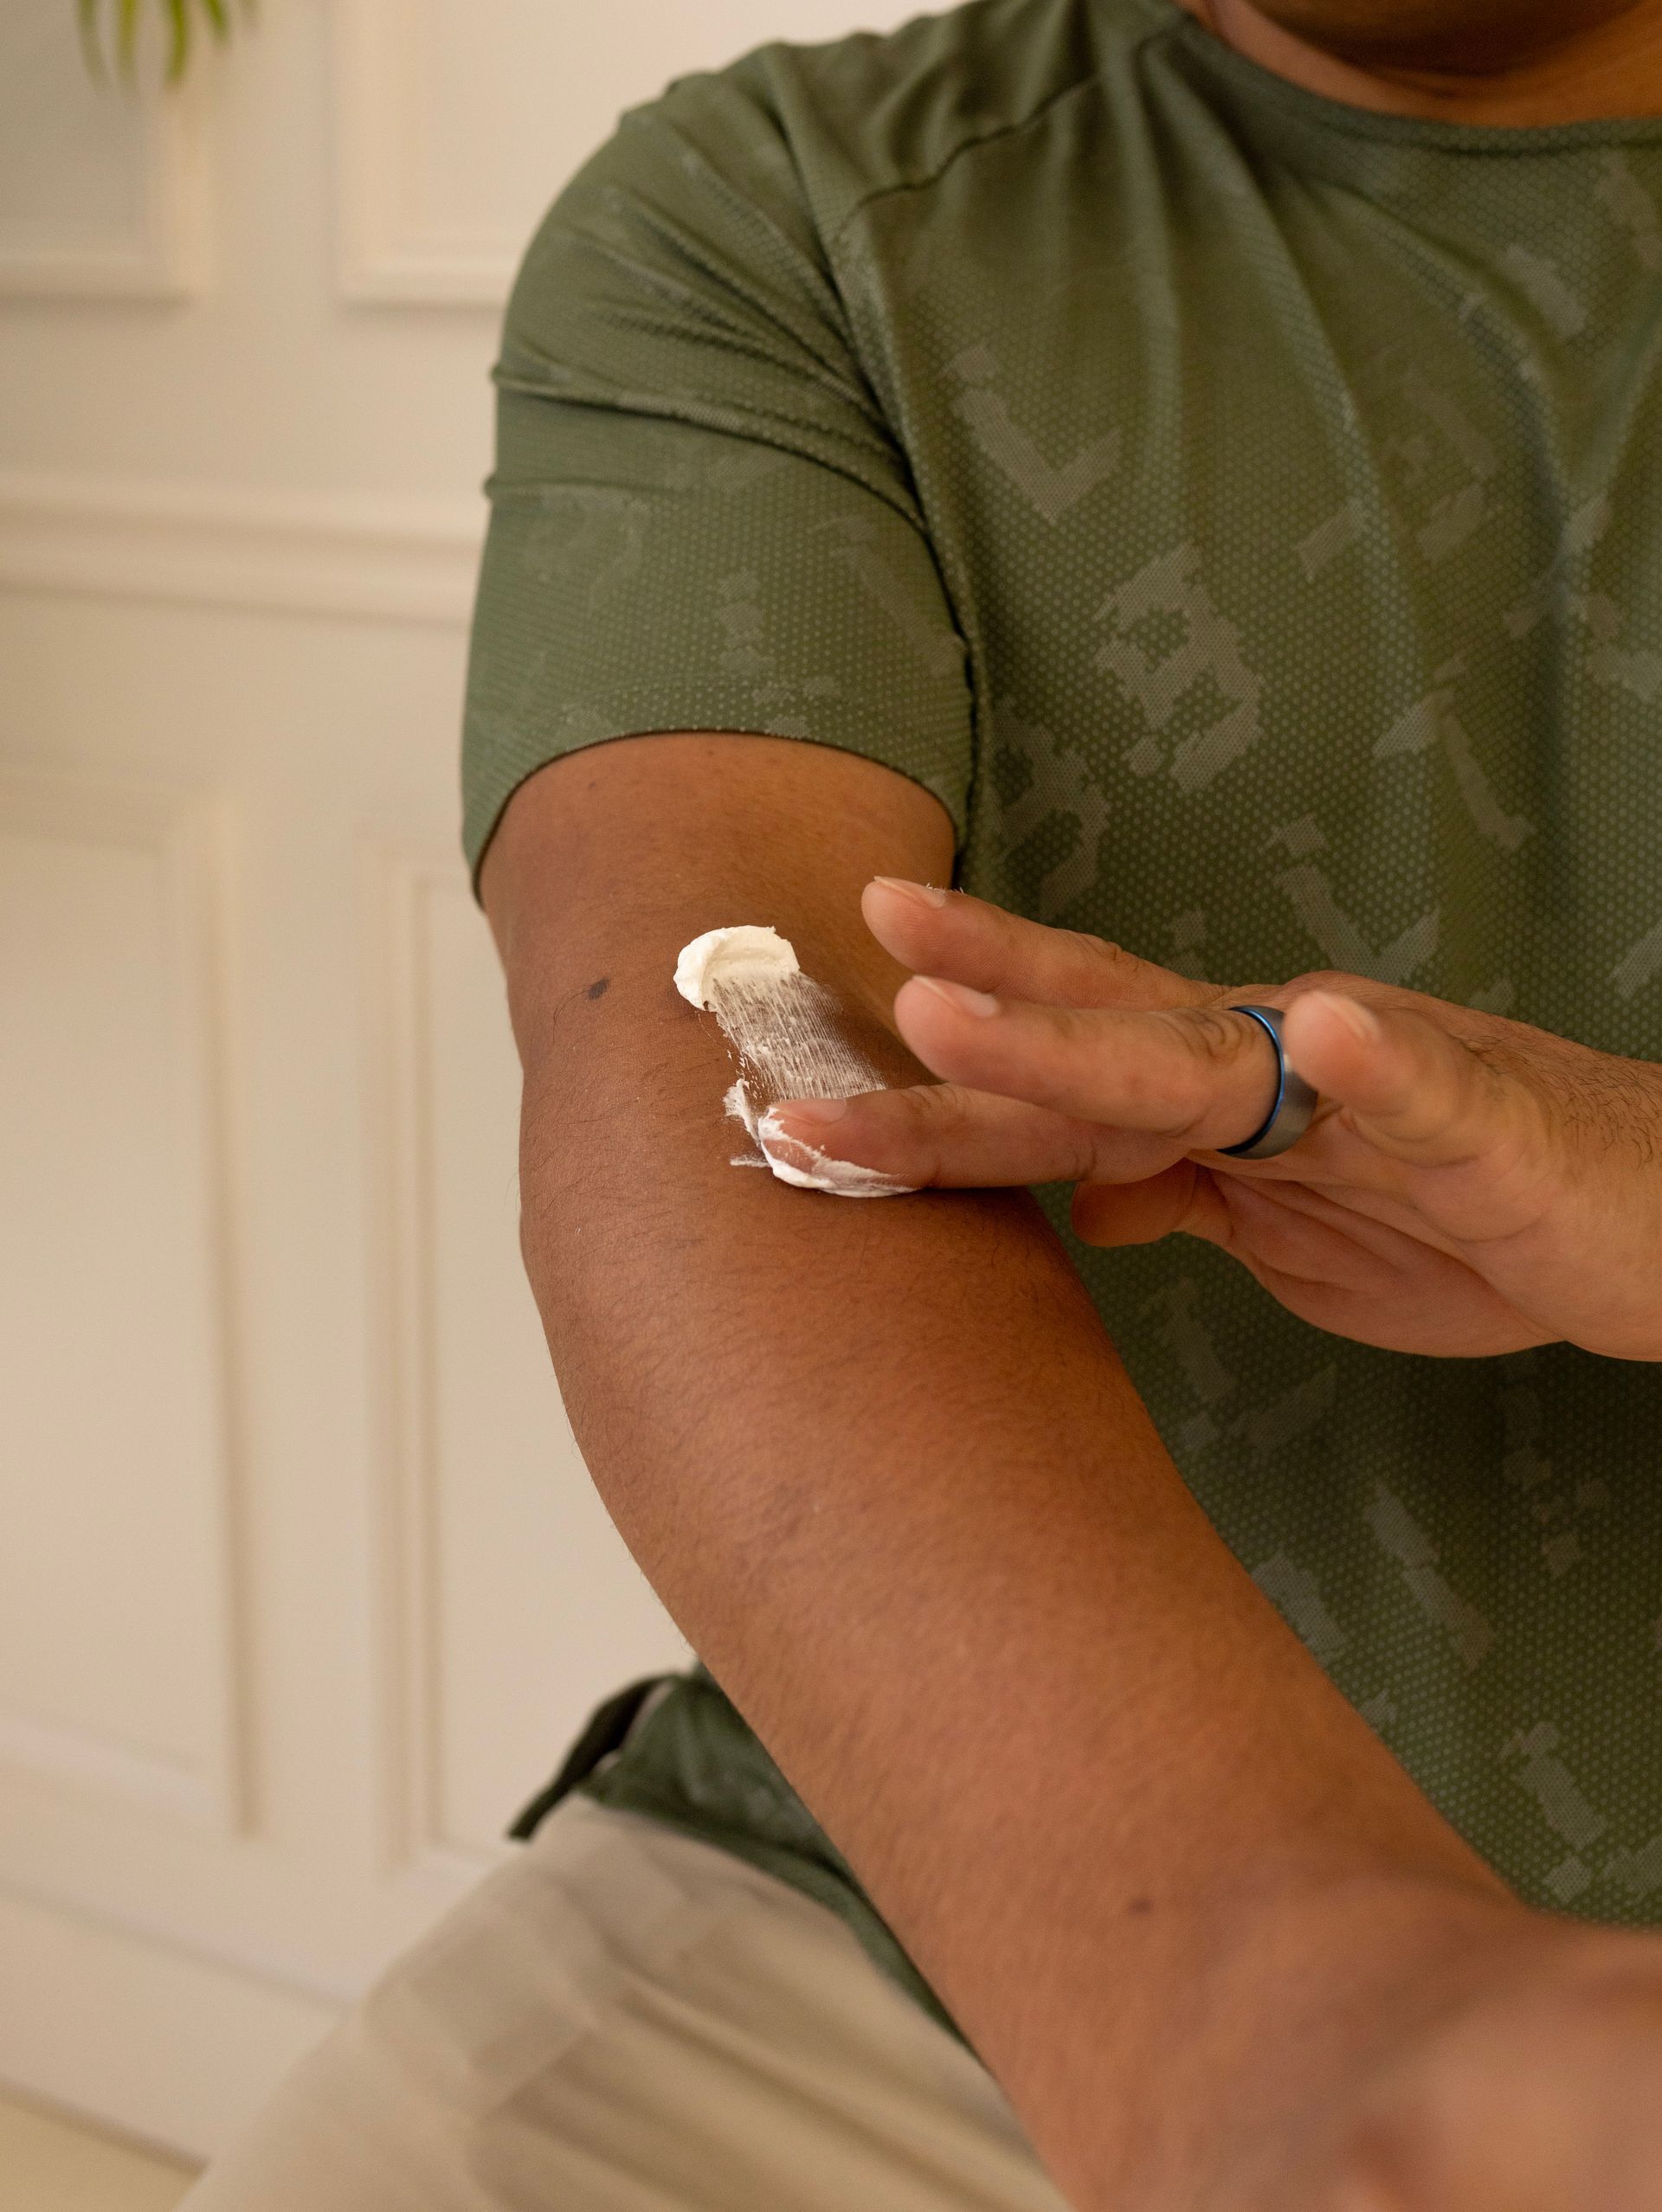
<point x="700" y="517"/>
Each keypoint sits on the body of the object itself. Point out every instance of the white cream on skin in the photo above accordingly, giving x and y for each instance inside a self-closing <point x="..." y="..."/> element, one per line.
<point x="782" y="1025"/>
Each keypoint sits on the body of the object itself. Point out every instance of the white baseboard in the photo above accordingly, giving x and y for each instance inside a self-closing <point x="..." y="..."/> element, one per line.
<point x="178" y="2050"/>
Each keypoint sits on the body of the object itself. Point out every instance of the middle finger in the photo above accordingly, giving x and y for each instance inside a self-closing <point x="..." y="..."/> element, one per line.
<point x="949" y="933"/>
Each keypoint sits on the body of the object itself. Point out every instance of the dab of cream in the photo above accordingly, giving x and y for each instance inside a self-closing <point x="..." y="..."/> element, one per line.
<point x="721" y="959"/>
<point x="782" y="1025"/>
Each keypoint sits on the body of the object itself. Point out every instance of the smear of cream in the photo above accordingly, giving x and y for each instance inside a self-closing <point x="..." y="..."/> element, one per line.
<point x="782" y="1025"/>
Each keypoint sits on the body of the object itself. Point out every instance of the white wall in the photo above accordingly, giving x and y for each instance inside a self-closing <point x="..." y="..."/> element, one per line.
<point x="303" y="1587"/>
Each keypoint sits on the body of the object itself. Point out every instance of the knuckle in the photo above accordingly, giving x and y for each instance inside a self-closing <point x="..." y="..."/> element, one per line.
<point x="1216" y="1041"/>
<point x="1101" y="952"/>
<point x="933" y="1107"/>
<point x="1084" y="1157"/>
<point x="1077" y="1030"/>
<point x="1345" y="982"/>
<point x="932" y="1123"/>
<point x="939" y="1127"/>
<point x="1217" y="1037"/>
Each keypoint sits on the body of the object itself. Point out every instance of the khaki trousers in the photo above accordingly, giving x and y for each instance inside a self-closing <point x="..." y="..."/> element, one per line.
<point x="626" y="2020"/>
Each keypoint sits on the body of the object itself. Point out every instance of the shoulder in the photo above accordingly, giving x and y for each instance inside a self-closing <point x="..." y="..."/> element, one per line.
<point x="838" y="123"/>
<point x="872" y="113"/>
<point x="757" y="167"/>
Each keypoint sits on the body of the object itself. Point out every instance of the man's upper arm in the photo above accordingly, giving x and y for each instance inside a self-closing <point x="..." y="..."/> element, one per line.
<point x="607" y="861"/>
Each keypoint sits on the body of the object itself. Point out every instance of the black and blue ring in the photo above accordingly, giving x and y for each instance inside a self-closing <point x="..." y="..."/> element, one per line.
<point x="1292" y="1107"/>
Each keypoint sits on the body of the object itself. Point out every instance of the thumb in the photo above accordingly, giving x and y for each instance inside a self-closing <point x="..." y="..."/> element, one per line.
<point x="1412" y="1089"/>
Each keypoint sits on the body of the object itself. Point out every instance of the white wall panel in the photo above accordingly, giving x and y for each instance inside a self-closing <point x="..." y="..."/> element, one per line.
<point x="303" y="1585"/>
<point x="115" y="1601"/>
<point x="450" y="145"/>
<point x="100" y="192"/>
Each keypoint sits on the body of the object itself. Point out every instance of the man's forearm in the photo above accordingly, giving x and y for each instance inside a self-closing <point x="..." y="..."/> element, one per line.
<point x="886" y="1471"/>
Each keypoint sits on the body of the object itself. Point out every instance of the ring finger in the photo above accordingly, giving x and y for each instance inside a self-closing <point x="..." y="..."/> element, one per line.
<point x="1200" y="1076"/>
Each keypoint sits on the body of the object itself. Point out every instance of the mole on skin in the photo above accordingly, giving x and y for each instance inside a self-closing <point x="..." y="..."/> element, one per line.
<point x="599" y="990"/>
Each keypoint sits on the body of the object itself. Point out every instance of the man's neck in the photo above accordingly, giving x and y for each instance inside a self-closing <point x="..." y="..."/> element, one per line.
<point x="1613" y="69"/>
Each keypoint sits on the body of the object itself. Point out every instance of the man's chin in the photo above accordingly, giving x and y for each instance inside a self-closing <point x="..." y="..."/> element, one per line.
<point x="1464" y="38"/>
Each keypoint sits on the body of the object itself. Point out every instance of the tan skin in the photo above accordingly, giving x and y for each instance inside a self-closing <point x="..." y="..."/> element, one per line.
<point x="1219" y="1951"/>
<point x="1490" y="61"/>
<point x="887" y="1473"/>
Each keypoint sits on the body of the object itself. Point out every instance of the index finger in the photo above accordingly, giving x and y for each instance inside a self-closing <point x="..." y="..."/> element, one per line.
<point x="948" y="933"/>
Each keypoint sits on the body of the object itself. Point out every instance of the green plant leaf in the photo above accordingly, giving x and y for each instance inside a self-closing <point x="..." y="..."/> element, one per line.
<point x="178" y="52"/>
<point x="92" y="45"/>
<point x="126" y="44"/>
<point x="129" y="16"/>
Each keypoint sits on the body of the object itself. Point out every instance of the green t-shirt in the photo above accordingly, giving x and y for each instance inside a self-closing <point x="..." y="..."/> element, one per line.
<point x="1244" y="513"/>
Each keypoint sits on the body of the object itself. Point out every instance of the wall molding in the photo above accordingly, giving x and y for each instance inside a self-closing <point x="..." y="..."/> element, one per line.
<point x="59" y="1753"/>
<point x="168" y="257"/>
<point x="386" y="253"/>
<point x="355" y="555"/>
<point x="160" y="2037"/>
<point x="398" y="882"/>
<point x="184" y="832"/>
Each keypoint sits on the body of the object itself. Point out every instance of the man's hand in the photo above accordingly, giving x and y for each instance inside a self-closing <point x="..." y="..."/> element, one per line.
<point x="1470" y="1185"/>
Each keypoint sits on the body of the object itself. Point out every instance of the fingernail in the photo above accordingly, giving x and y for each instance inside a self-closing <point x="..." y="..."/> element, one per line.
<point x="1356" y="1018"/>
<point x="959" y="996"/>
<point x="925" y="894"/>
<point x="808" y="1110"/>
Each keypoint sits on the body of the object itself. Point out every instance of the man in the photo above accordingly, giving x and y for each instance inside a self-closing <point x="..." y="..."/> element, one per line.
<point x="1188" y="478"/>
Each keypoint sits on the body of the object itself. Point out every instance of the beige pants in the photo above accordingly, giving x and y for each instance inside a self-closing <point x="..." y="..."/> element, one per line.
<point x="624" y="2020"/>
